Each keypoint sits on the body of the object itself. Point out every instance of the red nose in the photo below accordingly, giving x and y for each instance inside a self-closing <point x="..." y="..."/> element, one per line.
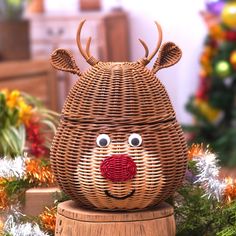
<point x="118" y="168"/>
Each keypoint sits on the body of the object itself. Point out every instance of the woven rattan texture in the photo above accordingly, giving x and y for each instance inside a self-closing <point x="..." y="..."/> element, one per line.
<point x="118" y="93"/>
<point x="119" y="99"/>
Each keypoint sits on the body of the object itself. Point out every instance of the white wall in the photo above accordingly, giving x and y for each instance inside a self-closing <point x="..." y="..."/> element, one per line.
<point x="181" y="23"/>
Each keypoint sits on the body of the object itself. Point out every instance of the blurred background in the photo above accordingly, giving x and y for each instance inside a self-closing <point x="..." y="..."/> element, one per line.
<point x="31" y="30"/>
<point x="115" y="27"/>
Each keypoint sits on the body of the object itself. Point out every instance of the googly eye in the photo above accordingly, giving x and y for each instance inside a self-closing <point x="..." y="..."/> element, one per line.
<point x="103" y="140"/>
<point x="135" y="140"/>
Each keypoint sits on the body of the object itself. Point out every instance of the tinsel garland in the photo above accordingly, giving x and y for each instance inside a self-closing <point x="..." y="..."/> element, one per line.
<point x="48" y="219"/>
<point x="12" y="227"/>
<point x="4" y="200"/>
<point x="39" y="172"/>
<point x="24" y="172"/>
<point x="33" y="173"/>
<point x="208" y="174"/>
<point x="10" y="168"/>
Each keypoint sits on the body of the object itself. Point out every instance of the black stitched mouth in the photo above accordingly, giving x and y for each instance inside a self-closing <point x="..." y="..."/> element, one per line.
<point x="120" y="198"/>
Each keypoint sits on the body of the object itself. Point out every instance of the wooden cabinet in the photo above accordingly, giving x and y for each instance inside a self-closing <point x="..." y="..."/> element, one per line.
<point x="116" y="35"/>
<point x="109" y="32"/>
<point x="33" y="77"/>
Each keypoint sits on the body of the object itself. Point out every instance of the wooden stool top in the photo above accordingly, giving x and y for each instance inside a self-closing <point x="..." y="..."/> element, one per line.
<point x="69" y="209"/>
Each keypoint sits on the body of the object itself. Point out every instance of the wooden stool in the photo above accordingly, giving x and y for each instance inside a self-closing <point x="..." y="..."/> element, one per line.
<point x="76" y="221"/>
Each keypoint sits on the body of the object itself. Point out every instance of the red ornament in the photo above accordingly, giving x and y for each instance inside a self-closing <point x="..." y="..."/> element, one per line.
<point x="202" y="92"/>
<point x="230" y="35"/>
<point x="118" y="168"/>
<point x="213" y="43"/>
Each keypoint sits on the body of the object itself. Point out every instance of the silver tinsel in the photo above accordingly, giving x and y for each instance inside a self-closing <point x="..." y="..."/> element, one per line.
<point x="13" y="228"/>
<point x="10" y="168"/>
<point x="208" y="176"/>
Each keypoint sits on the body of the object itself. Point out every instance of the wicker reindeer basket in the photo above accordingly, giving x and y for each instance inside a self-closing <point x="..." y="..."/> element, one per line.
<point x="118" y="145"/>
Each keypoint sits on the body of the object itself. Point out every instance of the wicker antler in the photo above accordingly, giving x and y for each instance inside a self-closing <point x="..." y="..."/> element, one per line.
<point x="147" y="58"/>
<point x="86" y="54"/>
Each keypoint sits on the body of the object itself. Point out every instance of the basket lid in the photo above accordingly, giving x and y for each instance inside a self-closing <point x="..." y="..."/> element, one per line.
<point x="114" y="93"/>
<point x="124" y="92"/>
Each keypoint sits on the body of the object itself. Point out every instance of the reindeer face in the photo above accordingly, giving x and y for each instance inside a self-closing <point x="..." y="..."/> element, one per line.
<point x="118" y="145"/>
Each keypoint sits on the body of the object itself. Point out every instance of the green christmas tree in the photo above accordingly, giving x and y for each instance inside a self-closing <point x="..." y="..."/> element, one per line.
<point x="214" y="104"/>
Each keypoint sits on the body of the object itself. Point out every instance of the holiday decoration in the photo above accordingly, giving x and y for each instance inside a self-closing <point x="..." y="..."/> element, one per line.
<point x="25" y="127"/>
<point x="215" y="6"/>
<point x="4" y="201"/>
<point x="39" y="172"/>
<point x="118" y="145"/>
<point x="229" y="14"/>
<point x="206" y="203"/>
<point x="230" y="36"/>
<point x="213" y="104"/>
<point x="196" y="150"/>
<point x="14" y="222"/>
<point x="11" y="227"/>
<point x="12" y="168"/>
<point x="20" y="174"/>
<point x="230" y="189"/>
<point x="48" y="219"/>
<point x="233" y="58"/>
<point x="222" y="69"/>
<point x="210" y="113"/>
<point x="208" y="174"/>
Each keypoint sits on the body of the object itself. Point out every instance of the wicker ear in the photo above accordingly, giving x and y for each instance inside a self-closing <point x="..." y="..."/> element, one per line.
<point x="62" y="59"/>
<point x="169" y="55"/>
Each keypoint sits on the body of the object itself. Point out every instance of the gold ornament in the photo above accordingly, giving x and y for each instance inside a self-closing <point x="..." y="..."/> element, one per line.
<point x="229" y="15"/>
<point x="217" y="32"/>
<point x="222" y="69"/>
<point x="233" y="59"/>
<point x="203" y="73"/>
<point x="209" y="112"/>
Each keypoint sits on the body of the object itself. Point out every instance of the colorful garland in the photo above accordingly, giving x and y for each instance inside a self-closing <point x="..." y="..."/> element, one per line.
<point x="20" y="174"/>
<point x="14" y="227"/>
<point x="17" y="224"/>
<point x="16" y="176"/>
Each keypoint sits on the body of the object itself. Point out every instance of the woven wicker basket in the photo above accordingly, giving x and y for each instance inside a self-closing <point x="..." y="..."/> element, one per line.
<point x="118" y="146"/>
